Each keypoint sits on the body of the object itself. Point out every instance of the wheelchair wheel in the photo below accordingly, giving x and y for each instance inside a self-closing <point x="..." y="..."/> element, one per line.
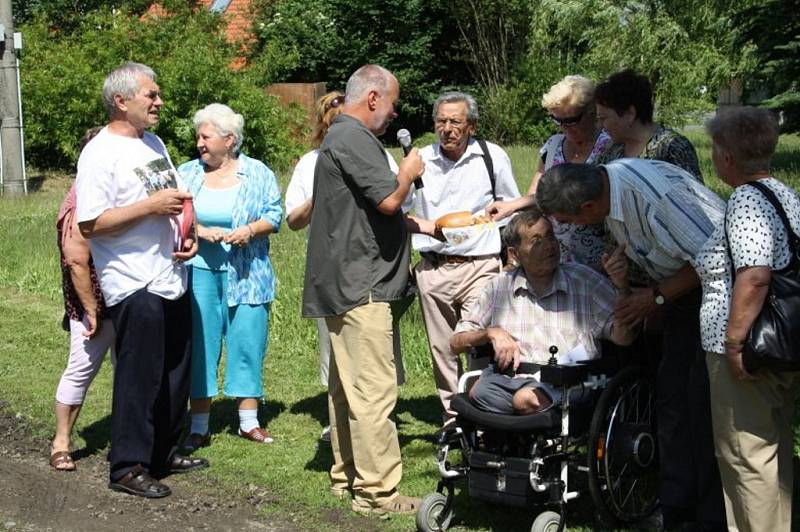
<point x="432" y="516"/>
<point x="622" y="451"/>
<point x="546" y="522"/>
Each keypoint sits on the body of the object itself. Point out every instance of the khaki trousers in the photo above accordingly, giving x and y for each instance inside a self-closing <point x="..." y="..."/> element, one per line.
<point x="362" y="393"/>
<point x="447" y="293"/>
<point x="753" y="438"/>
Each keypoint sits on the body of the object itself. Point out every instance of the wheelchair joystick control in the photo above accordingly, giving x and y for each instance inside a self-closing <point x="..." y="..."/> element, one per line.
<point x="552" y="361"/>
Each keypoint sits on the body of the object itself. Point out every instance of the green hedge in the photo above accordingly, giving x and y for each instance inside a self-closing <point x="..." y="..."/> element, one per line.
<point x="62" y="75"/>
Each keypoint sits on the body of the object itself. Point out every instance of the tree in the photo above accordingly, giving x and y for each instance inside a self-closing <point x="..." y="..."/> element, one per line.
<point x="327" y="40"/>
<point x="63" y="72"/>
<point x="777" y="53"/>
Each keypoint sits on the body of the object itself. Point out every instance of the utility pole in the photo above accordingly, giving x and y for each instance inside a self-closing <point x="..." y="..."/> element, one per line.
<point x="12" y="163"/>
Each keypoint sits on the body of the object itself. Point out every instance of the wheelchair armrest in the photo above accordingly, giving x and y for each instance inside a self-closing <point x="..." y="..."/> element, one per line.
<point x="560" y="375"/>
<point x="467" y="380"/>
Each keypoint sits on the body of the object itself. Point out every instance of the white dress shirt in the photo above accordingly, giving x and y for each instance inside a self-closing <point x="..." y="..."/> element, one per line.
<point x="462" y="185"/>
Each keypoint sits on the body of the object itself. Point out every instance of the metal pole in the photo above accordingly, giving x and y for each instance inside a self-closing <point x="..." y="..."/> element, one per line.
<point x="10" y="122"/>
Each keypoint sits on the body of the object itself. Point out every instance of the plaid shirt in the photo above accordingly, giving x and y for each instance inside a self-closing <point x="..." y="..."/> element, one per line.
<point x="662" y="212"/>
<point x="577" y="309"/>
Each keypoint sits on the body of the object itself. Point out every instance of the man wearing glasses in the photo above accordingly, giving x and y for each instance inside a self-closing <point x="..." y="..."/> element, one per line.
<point x="521" y="314"/>
<point x="462" y="174"/>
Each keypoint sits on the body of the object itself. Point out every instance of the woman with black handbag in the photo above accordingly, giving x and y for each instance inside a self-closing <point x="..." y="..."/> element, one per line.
<point x="752" y="398"/>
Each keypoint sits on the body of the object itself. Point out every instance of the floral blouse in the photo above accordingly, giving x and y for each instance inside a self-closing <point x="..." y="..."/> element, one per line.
<point x="665" y="145"/>
<point x="579" y="243"/>
<point x="757" y="237"/>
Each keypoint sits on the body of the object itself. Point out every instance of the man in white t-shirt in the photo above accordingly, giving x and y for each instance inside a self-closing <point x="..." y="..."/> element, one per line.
<point x="129" y="205"/>
<point x="461" y="174"/>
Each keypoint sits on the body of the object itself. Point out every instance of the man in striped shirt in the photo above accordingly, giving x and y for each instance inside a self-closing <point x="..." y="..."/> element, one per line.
<point x="662" y="215"/>
<point x="525" y="311"/>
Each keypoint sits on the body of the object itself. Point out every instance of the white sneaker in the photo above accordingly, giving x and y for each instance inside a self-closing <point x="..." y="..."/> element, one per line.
<point x="326" y="434"/>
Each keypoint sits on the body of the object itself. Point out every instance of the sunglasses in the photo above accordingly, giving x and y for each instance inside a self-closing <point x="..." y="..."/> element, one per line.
<point x="568" y="121"/>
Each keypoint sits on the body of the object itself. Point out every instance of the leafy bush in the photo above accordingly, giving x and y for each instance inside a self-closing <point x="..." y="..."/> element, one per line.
<point x="327" y="40"/>
<point x="63" y="72"/>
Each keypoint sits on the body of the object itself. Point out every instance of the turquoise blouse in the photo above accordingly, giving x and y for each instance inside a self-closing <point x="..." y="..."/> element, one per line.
<point x="251" y="279"/>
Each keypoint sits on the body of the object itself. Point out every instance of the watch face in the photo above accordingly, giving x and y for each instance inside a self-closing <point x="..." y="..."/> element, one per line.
<point x="659" y="299"/>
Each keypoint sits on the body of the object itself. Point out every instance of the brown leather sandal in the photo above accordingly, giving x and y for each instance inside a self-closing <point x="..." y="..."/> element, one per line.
<point x="139" y="482"/>
<point x="62" y="461"/>
<point x="401" y="504"/>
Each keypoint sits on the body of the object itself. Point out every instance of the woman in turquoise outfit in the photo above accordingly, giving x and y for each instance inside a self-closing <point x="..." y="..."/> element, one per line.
<point x="238" y="205"/>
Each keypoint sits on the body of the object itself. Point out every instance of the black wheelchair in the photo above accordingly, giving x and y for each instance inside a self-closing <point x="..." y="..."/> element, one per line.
<point x="604" y="427"/>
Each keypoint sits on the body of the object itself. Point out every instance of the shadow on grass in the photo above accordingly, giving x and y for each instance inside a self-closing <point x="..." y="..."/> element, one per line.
<point x="426" y="409"/>
<point x="225" y="414"/>
<point x="472" y="513"/>
<point x="97" y="437"/>
<point x="315" y="406"/>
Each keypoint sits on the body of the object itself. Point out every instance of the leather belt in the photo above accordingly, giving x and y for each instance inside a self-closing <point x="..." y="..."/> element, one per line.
<point x="439" y="258"/>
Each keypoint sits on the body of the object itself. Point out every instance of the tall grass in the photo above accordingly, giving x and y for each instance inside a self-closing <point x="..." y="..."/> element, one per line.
<point x="33" y="353"/>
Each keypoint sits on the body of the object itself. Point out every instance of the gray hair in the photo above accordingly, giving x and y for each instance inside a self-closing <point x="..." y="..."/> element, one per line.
<point x="124" y="80"/>
<point x="748" y="134"/>
<point x="224" y="120"/>
<point x="366" y="78"/>
<point x="565" y="187"/>
<point x="525" y="218"/>
<point x="456" y="97"/>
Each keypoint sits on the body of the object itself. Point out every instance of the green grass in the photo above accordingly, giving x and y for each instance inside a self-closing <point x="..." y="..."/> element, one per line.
<point x="33" y="353"/>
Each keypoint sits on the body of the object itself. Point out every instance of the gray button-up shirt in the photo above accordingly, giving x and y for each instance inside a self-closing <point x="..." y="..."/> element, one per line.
<point x="355" y="253"/>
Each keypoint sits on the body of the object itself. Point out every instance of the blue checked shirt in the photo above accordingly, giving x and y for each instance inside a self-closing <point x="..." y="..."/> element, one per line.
<point x="663" y="214"/>
<point x="251" y="279"/>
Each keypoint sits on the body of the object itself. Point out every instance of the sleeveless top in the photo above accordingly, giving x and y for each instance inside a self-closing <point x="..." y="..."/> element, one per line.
<point x="73" y="308"/>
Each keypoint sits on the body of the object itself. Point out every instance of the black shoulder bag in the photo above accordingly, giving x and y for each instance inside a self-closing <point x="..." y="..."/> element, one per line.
<point x="773" y="342"/>
<point x="487" y="160"/>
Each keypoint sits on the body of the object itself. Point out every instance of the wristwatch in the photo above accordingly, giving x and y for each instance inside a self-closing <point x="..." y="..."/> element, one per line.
<point x="658" y="296"/>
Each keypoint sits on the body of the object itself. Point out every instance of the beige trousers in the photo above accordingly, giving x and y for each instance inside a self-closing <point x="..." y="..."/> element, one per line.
<point x="446" y="294"/>
<point x="398" y="308"/>
<point x="753" y="440"/>
<point x="362" y="393"/>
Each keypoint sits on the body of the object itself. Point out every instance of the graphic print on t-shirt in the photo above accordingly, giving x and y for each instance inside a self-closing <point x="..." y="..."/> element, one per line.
<point x="157" y="175"/>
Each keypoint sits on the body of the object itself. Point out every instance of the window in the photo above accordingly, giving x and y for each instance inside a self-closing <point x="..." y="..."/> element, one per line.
<point x="219" y="6"/>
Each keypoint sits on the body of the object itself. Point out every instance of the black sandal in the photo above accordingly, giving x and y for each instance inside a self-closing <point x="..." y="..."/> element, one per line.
<point x="185" y="464"/>
<point x="139" y="482"/>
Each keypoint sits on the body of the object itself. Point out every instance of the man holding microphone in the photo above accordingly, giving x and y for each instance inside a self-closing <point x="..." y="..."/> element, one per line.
<point x="357" y="264"/>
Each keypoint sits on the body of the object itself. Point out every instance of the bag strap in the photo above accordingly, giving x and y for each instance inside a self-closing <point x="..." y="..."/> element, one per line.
<point x="791" y="236"/>
<point x="487" y="160"/>
<point x="550" y="149"/>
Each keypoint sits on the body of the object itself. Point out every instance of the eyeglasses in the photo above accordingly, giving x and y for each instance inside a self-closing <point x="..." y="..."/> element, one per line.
<point x="442" y="122"/>
<point x="567" y="121"/>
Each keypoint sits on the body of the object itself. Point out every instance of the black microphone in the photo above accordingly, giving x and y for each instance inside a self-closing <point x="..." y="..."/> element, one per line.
<point x="404" y="138"/>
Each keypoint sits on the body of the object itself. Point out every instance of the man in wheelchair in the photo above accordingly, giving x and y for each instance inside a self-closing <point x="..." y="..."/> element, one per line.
<point x="541" y="303"/>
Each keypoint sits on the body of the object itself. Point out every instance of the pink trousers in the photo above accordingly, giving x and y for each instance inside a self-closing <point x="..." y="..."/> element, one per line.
<point x="85" y="358"/>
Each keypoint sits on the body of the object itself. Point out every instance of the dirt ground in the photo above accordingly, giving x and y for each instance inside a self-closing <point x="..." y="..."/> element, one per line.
<point x="33" y="497"/>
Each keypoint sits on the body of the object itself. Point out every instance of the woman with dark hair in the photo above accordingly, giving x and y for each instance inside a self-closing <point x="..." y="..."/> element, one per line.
<point x="624" y="104"/>
<point x="751" y="414"/>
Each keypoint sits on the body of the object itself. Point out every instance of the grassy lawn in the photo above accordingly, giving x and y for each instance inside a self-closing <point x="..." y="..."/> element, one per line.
<point x="33" y="352"/>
